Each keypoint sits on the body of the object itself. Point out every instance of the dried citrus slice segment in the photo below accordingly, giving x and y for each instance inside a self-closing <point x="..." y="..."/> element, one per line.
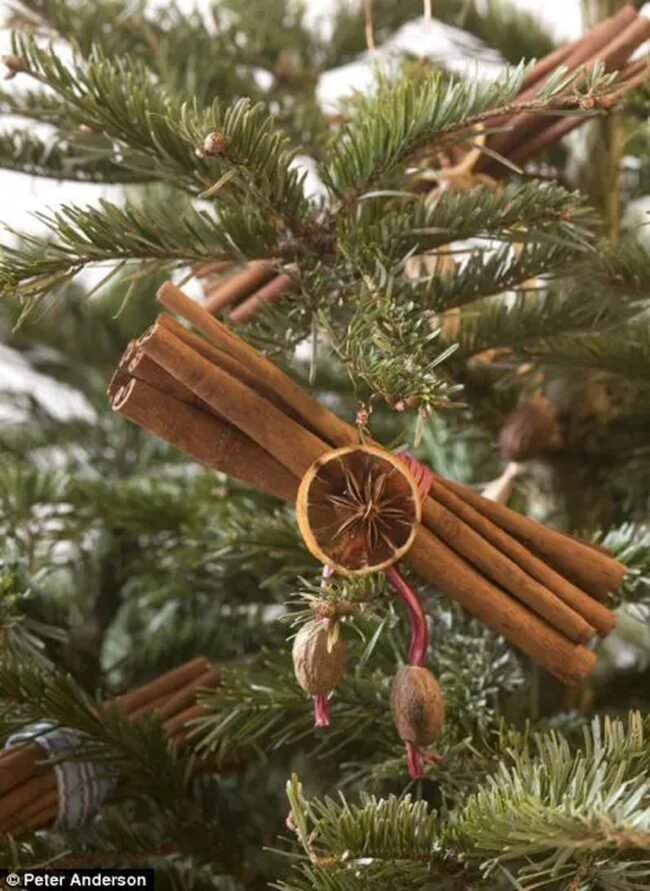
<point x="358" y="508"/>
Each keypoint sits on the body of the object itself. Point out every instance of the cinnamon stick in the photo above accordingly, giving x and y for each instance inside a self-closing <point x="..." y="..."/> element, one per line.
<point x="121" y="374"/>
<point x="333" y="430"/>
<point x="569" y="662"/>
<point x="40" y="813"/>
<point x="270" y="293"/>
<point x="19" y="799"/>
<point x="18" y="763"/>
<point x="143" y="368"/>
<point x="167" y="683"/>
<point x="598" y="616"/>
<point x="246" y="408"/>
<point x="211" y="267"/>
<point x="217" y="444"/>
<point x="517" y="579"/>
<point x="183" y="698"/>
<point x="626" y="42"/>
<point x="593" y="572"/>
<point x="283" y="438"/>
<point x="42" y="810"/>
<point x="177" y="728"/>
<point x="238" y="286"/>
<point x="548" y="63"/>
<point x="232" y="364"/>
<point x="25" y="760"/>
<point x="476" y="549"/>
<point x="316" y="417"/>
<point x="226" y="395"/>
<point x="532" y="146"/>
<point x="34" y="803"/>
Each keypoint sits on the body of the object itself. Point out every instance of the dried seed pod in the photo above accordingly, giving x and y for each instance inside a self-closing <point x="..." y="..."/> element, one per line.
<point x="417" y="705"/>
<point x="358" y="508"/>
<point x="530" y="430"/>
<point x="318" y="657"/>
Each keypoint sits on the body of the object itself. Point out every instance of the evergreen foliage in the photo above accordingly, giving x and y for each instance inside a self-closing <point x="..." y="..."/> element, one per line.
<point x="434" y="313"/>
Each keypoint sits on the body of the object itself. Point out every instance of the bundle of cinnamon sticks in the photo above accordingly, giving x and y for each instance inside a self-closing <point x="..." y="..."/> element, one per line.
<point x="28" y="787"/>
<point x="239" y="293"/>
<point x="227" y="406"/>
<point x="612" y="42"/>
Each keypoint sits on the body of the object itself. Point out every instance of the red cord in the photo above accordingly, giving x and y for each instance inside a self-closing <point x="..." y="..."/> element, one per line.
<point x="413" y="759"/>
<point x="419" y="631"/>
<point x="321" y="711"/>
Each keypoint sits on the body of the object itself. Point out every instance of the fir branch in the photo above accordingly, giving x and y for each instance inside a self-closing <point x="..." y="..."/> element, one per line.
<point x="547" y="814"/>
<point x="264" y="707"/>
<point x="134" y="233"/>
<point x="402" y="118"/>
<point x="630" y="544"/>
<point x="624" y="353"/>
<point x="123" y="101"/>
<point x="37" y="104"/>
<point x="390" y="828"/>
<point x="379" y="843"/>
<point x="391" y="347"/>
<point x="56" y="159"/>
<point x="519" y="213"/>
<point x="193" y="54"/>
<point x="483" y="273"/>
<point x="561" y="813"/>
<point x="121" y="837"/>
<point x="23" y="634"/>
<point x="533" y="316"/>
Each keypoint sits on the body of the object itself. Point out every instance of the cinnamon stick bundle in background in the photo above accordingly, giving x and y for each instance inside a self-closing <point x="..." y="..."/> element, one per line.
<point x="537" y="587"/>
<point x="611" y="41"/>
<point x="28" y="786"/>
<point x="239" y="294"/>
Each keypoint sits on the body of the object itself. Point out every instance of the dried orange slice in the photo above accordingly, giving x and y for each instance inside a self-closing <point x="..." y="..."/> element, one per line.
<point x="358" y="508"/>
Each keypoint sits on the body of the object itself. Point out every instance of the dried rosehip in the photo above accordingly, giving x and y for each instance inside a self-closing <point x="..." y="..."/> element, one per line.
<point x="417" y="705"/>
<point x="318" y="657"/>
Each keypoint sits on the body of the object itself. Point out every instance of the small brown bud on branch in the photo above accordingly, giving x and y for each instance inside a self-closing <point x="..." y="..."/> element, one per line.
<point x="214" y="145"/>
<point x="14" y="66"/>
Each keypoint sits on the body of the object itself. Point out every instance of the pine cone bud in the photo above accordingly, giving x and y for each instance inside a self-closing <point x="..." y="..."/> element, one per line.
<point x="214" y="145"/>
<point x="318" y="657"/>
<point x="14" y="65"/>
<point x="530" y="430"/>
<point x="417" y="705"/>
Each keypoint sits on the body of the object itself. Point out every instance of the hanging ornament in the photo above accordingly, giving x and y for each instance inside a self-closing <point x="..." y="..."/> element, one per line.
<point x="227" y="406"/>
<point x="319" y="662"/>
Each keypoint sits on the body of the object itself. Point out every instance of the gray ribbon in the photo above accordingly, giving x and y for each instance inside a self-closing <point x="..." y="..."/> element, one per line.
<point x="82" y="786"/>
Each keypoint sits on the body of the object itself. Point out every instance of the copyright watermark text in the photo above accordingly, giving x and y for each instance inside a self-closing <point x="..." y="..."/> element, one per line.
<point x="62" y="879"/>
